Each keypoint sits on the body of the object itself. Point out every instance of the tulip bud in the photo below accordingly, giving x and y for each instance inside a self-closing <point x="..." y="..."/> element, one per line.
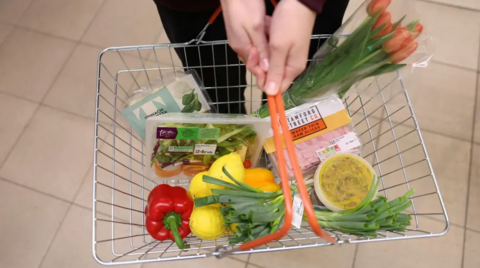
<point x="404" y="52"/>
<point x="417" y="30"/>
<point x="395" y="43"/>
<point x="384" y="18"/>
<point x="386" y="30"/>
<point x="376" y="6"/>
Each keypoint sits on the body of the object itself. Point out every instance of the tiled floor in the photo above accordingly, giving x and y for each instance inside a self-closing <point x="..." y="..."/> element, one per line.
<point x="48" y="54"/>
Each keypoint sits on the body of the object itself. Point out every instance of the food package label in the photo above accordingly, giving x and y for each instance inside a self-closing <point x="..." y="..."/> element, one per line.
<point x="182" y="95"/>
<point x="345" y="143"/>
<point x="312" y="120"/>
<point x="297" y="211"/>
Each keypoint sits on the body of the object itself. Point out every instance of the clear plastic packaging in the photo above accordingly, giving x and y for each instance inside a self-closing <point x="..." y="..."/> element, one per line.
<point x="379" y="38"/>
<point x="172" y="92"/>
<point x="320" y="129"/>
<point x="180" y="145"/>
<point x="351" y="173"/>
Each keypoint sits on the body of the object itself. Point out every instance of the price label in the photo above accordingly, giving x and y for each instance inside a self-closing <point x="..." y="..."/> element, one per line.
<point x="297" y="211"/>
<point x="344" y="144"/>
<point x="205" y="149"/>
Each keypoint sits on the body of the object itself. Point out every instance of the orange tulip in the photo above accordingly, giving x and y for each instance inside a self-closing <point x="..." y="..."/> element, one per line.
<point x="395" y="43"/>
<point x="404" y="52"/>
<point x="384" y="18"/>
<point x="376" y="6"/>
<point x="417" y="30"/>
<point x="386" y="30"/>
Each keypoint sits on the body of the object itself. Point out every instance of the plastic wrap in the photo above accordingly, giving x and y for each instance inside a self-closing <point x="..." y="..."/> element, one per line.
<point x="320" y="129"/>
<point x="181" y="145"/>
<point x="379" y="38"/>
<point x="169" y="93"/>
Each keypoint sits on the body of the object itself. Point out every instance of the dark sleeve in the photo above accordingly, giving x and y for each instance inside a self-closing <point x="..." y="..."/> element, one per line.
<point x="315" y="5"/>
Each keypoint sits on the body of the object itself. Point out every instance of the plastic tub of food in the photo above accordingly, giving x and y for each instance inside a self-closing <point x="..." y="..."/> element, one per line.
<point x="342" y="181"/>
<point x="181" y="145"/>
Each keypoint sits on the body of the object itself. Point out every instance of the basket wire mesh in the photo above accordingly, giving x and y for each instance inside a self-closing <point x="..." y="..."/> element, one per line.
<point x="383" y="118"/>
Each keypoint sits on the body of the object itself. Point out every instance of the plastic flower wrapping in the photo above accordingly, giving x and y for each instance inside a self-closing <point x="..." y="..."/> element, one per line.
<point x="381" y="37"/>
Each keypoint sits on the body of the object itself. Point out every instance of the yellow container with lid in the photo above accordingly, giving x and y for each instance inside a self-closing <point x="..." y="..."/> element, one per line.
<point x="342" y="181"/>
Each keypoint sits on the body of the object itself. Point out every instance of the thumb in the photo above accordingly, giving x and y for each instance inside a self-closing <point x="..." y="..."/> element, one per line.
<point x="259" y="40"/>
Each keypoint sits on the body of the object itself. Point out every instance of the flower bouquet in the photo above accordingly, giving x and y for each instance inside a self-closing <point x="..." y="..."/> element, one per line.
<point x="378" y="45"/>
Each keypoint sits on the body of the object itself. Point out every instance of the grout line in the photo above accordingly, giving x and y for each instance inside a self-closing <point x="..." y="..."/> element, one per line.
<point x="54" y="236"/>
<point x="455" y="66"/>
<point x="450" y="5"/>
<point x="92" y="20"/>
<point x="470" y="174"/>
<point x="427" y="130"/>
<point x="355" y="256"/>
<point x="35" y="190"/>
<point x="248" y="260"/>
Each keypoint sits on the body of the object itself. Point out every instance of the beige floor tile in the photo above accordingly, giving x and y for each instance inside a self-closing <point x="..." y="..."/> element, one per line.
<point x="352" y="7"/>
<point x="14" y="116"/>
<point x="59" y="17"/>
<point x="450" y="161"/>
<point x="12" y="10"/>
<point x="123" y="23"/>
<point x="477" y="117"/>
<point x="331" y="256"/>
<point x="76" y="88"/>
<point x="472" y="251"/>
<point x="434" y="89"/>
<point x="28" y="225"/>
<point x="30" y="63"/>
<point x="473" y="4"/>
<point x="53" y="155"/>
<point x="73" y="244"/>
<point x="473" y="219"/>
<point x="445" y="251"/>
<point x="205" y="262"/>
<point x="5" y="29"/>
<point x="457" y="38"/>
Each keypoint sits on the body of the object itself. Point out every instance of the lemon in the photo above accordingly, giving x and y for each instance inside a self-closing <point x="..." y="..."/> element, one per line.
<point x="207" y="223"/>
<point x="232" y="163"/>
<point x="198" y="188"/>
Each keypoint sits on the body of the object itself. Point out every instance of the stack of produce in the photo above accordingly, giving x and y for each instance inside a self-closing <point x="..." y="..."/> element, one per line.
<point x="251" y="212"/>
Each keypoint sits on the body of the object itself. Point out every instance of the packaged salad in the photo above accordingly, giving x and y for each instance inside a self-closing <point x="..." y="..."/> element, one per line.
<point x="319" y="129"/>
<point x="181" y="145"/>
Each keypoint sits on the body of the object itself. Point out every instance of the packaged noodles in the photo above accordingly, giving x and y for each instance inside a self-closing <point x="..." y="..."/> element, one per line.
<point x="319" y="129"/>
<point x="180" y="145"/>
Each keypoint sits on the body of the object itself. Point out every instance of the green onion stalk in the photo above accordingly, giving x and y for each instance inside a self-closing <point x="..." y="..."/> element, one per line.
<point x="252" y="213"/>
<point x="337" y="67"/>
<point x="249" y="212"/>
<point x="370" y="217"/>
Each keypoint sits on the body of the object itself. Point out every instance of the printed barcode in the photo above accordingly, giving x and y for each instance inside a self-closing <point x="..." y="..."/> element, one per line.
<point x="298" y="210"/>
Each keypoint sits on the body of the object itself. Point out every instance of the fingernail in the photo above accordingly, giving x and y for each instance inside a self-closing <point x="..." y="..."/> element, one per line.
<point x="271" y="88"/>
<point x="265" y="64"/>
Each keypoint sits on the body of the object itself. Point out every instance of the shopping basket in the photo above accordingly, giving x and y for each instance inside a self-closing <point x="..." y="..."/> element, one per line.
<point x="383" y="117"/>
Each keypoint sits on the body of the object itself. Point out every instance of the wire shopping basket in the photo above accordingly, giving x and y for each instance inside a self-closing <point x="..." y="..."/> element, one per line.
<point x="383" y="118"/>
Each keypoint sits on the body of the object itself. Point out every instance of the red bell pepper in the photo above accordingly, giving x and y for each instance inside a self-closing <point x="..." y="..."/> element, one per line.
<point x="168" y="213"/>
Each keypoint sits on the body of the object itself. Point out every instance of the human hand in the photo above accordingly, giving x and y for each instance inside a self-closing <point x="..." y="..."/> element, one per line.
<point x="246" y="32"/>
<point x="290" y="31"/>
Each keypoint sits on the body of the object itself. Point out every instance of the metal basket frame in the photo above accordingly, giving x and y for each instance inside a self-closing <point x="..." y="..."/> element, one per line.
<point x="120" y="187"/>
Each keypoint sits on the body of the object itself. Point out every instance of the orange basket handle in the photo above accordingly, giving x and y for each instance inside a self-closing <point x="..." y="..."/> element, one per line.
<point x="275" y="105"/>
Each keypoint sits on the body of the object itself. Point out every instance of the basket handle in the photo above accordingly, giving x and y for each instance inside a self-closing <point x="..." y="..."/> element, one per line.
<point x="213" y="18"/>
<point x="275" y="105"/>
